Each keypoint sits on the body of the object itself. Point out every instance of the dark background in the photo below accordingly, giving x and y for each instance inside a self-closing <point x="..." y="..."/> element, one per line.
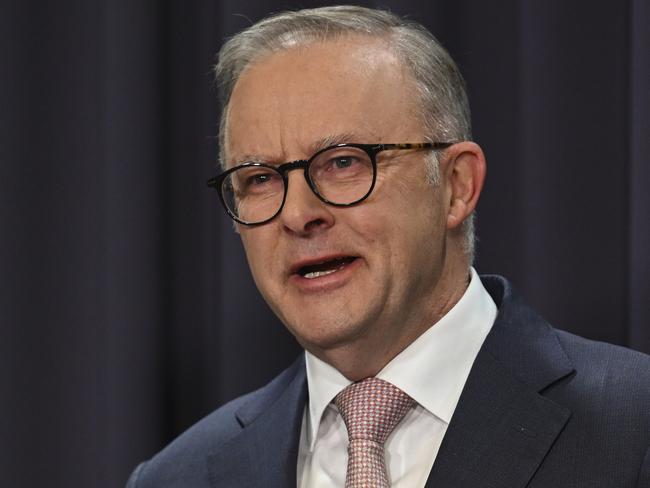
<point x="126" y="308"/>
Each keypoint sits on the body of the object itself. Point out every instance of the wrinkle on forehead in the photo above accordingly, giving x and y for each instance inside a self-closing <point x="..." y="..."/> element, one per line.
<point x="313" y="148"/>
<point x="339" y="88"/>
<point x="341" y="138"/>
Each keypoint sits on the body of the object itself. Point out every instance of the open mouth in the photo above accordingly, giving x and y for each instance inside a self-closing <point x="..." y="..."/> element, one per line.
<point x="325" y="268"/>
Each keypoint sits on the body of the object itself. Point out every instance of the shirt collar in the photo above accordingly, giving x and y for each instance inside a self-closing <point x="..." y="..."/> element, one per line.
<point x="432" y="369"/>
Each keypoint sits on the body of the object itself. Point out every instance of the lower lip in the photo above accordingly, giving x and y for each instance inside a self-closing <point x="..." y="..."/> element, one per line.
<point x="327" y="282"/>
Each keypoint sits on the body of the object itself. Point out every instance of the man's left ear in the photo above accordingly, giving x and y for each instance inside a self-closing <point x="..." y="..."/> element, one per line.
<point x="464" y="174"/>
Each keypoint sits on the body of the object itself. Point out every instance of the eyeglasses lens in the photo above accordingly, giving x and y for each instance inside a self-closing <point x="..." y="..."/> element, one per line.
<point x="341" y="176"/>
<point x="253" y="193"/>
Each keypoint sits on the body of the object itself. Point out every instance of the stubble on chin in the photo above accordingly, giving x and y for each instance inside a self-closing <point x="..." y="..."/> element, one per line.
<point x="332" y="330"/>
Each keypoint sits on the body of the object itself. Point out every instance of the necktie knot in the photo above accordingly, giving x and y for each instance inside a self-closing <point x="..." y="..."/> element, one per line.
<point x="372" y="408"/>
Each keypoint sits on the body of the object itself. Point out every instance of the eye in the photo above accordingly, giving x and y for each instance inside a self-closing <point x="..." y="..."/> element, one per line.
<point x="258" y="179"/>
<point x="341" y="163"/>
<point x="255" y="180"/>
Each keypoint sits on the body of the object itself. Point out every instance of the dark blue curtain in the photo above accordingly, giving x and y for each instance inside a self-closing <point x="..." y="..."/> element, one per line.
<point x="126" y="308"/>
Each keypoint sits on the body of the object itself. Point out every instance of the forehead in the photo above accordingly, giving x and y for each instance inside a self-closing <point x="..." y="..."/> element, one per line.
<point x="352" y="85"/>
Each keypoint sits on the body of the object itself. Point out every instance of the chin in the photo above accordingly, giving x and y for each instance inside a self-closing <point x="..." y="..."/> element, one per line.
<point x="324" y="335"/>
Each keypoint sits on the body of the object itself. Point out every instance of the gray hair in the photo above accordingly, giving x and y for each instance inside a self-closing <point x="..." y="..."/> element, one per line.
<point x="443" y="100"/>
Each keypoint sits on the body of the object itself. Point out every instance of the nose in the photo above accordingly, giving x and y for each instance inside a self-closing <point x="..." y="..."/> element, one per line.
<point x="304" y="213"/>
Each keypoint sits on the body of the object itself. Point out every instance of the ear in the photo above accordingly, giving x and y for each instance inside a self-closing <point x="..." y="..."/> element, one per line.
<point x="464" y="176"/>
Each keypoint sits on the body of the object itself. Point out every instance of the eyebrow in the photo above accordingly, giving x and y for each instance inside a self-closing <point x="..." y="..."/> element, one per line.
<point x="333" y="140"/>
<point x="248" y="158"/>
<point x="322" y="143"/>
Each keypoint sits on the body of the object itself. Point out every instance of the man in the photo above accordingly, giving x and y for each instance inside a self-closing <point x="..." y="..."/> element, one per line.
<point x="350" y="173"/>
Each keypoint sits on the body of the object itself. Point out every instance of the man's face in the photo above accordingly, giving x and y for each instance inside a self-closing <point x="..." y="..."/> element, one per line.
<point x="385" y="255"/>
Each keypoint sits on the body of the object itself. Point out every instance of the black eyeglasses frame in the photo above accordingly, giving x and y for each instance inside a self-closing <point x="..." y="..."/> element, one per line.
<point x="370" y="149"/>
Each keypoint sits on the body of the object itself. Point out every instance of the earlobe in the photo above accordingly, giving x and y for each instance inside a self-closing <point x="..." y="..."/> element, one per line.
<point x="465" y="176"/>
<point x="457" y="213"/>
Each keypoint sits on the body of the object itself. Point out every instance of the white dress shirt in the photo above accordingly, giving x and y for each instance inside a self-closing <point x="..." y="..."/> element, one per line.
<point x="432" y="370"/>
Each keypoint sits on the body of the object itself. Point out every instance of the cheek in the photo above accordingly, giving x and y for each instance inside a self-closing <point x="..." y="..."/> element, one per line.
<point x="418" y="229"/>
<point x="398" y="218"/>
<point x="259" y="259"/>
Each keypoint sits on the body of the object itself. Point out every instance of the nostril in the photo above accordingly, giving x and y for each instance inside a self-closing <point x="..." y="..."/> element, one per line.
<point x="314" y="224"/>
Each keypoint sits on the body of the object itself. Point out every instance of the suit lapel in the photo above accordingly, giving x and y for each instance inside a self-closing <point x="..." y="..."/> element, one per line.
<point x="503" y="427"/>
<point x="265" y="453"/>
<point x="499" y="434"/>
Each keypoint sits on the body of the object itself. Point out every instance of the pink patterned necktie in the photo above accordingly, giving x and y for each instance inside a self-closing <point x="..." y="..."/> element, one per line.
<point x="371" y="409"/>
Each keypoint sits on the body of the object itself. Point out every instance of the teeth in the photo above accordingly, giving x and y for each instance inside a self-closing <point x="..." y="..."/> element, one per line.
<point x="317" y="274"/>
<point x="324" y="268"/>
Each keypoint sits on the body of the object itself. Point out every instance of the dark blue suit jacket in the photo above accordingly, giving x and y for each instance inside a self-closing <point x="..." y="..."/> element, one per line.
<point x="541" y="408"/>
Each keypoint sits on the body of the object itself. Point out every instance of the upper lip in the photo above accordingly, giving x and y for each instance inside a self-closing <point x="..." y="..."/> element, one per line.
<point x="298" y="265"/>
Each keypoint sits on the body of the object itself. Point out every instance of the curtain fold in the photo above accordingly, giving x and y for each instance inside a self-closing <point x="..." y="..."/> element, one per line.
<point x="127" y="310"/>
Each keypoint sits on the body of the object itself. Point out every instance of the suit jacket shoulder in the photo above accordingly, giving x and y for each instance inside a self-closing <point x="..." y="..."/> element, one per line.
<point x="543" y="407"/>
<point x="608" y="372"/>
<point x="609" y="396"/>
<point x="196" y="456"/>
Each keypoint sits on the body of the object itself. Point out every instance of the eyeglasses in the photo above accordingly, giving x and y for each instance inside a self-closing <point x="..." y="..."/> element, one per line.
<point x="341" y="175"/>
